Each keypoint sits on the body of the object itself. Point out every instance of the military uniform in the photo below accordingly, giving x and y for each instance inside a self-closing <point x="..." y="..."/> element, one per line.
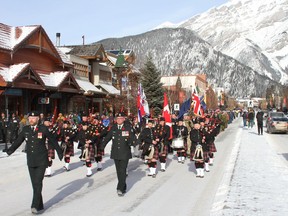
<point x="37" y="157"/>
<point x="123" y="137"/>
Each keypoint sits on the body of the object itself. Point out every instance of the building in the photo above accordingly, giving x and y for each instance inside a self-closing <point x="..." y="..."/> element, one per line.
<point x="34" y="74"/>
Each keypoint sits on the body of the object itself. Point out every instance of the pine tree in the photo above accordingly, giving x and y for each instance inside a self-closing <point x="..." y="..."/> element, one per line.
<point x="152" y="86"/>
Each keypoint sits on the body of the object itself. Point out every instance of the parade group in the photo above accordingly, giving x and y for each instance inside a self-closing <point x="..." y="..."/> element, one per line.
<point x="152" y="140"/>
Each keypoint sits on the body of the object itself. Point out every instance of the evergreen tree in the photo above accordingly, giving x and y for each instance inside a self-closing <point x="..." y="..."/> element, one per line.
<point x="152" y="86"/>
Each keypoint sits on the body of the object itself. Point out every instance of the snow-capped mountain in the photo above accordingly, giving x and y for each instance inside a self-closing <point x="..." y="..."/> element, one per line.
<point x="180" y="51"/>
<point x="255" y="32"/>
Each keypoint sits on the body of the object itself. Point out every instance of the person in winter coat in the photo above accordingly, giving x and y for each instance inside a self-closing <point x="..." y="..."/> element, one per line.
<point x="259" y="118"/>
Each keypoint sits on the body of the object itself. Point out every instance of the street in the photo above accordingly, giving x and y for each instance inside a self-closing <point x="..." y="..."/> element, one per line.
<point x="248" y="171"/>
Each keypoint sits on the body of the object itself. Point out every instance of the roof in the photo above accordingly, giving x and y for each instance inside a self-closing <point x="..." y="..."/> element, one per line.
<point x="64" y="57"/>
<point x="53" y="79"/>
<point x="110" y="89"/>
<point x="9" y="73"/>
<point x="10" y="36"/>
<point x="84" y="50"/>
<point x="87" y="86"/>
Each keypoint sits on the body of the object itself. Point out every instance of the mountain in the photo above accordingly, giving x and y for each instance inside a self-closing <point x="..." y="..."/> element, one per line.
<point x="255" y="32"/>
<point x="176" y="51"/>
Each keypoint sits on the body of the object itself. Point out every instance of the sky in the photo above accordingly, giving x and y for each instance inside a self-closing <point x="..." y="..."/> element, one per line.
<point x="98" y="20"/>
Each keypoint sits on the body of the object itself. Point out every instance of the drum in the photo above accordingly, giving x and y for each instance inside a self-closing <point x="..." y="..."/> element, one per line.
<point x="178" y="143"/>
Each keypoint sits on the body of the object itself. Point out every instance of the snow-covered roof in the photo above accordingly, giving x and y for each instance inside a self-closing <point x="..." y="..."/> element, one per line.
<point x="10" y="36"/>
<point x="9" y="73"/>
<point x="110" y="89"/>
<point x="112" y="59"/>
<point x="88" y="86"/>
<point x="63" y="56"/>
<point x="53" y="79"/>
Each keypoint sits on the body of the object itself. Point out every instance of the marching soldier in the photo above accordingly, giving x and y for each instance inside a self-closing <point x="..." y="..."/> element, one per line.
<point x="188" y="123"/>
<point x="87" y="146"/>
<point x="123" y="138"/>
<point x="51" y="150"/>
<point x="162" y="133"/>
<point x="67" y="135"/>
<point x="148" y="144"/>
<point x="37" y="155"/>
<point x="198" y="149"/>
<point x="181" y="132"/>
<point x="98" y="132"/>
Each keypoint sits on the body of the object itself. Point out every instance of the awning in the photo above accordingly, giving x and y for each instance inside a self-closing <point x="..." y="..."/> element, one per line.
<point x="110" y="89"/>
<point x="88" y="87"/>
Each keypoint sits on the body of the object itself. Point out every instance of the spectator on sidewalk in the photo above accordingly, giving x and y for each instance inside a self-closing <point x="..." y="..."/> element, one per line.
<point x="259" y="118"/>
<point x="244" y="116"/>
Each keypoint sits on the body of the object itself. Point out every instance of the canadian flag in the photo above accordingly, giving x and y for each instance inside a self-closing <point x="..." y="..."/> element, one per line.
<point x="166" y="114"/>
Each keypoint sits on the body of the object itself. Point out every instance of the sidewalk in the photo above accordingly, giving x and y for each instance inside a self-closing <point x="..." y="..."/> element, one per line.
<point x="259" y="180"/>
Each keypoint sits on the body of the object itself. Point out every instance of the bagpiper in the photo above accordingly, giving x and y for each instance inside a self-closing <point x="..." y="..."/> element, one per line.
<point x="149" y="146"/>
<point x="87" y="145"/>
<point x="98" y="132"/>
<point x="67" y="135"/>
<point x="162" y="133"/>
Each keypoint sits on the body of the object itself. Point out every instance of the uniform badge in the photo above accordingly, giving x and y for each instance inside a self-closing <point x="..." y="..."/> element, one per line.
<point x="125" y="133"/>
<point x="39" y="135"/>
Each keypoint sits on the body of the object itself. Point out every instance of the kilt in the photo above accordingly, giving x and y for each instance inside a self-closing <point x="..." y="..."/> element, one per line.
<point x="98" y="150"/>
<point x="164" y="150"/>
<point x="146" y="151"/>
<point x="69" y="149"/>
<point x="212" y="147"/>
<point x="91" y="149"/>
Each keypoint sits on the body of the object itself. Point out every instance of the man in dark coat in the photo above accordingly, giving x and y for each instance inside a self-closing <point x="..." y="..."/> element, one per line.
<point x="259" y="118"/>
<point x="37" y="155"/>
<point x="123" y="137"/>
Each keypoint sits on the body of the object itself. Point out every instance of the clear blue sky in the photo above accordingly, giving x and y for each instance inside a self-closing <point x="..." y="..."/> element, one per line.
<point x="99" y="19"/>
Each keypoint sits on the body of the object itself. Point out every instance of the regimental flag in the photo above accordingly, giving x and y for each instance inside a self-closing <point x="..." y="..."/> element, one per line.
<point x="142" y="104"/>
<point x="196" y="101"/>
<point x="166" y="114"/>
<point x="185" y="107"/>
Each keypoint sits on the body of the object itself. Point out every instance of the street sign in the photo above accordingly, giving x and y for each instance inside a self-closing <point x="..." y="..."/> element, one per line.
<point x="176" y="107"/>
<point x="250" y="103"/>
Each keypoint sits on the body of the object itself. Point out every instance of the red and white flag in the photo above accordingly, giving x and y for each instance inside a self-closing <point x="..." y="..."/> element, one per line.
<point x="166" y="114"/>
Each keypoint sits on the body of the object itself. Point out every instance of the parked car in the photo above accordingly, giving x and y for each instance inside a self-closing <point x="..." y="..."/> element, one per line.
<point x="272" y="114"/>
<point x="277" y="125"/>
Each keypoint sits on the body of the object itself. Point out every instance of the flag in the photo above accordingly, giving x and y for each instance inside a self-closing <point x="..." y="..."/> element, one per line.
<point x="203" y="104"/>
<point x="196" y="101"/>
<point x="142" y="104"/>
<point x="185" y="107"/>
<point x="166" y="114"/>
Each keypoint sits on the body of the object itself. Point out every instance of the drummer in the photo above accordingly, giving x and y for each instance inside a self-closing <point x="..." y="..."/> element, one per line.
<point x="180" y="133"/>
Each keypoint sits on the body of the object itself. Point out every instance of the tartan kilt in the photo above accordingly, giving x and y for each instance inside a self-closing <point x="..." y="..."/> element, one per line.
<point x="91" y="149"/>
<point x="51" y="153"/>
<point x="98" y="150"/>
<point x="156" y="152"/>
<point x="165" y="150"/>
<point x="212" y="147"/>
<point x="70" y="149"/>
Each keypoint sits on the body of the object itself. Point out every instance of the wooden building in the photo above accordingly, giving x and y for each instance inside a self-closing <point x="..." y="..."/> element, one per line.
<point x="34" y="74"/>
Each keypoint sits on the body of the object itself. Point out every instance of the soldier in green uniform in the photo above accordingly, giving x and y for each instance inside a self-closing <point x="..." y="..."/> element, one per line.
<point x="123" y="137"/>
<point x="37" y="155"/>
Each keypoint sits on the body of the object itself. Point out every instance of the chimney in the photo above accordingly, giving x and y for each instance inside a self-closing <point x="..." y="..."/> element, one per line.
<point x="58" y="39"/>
<point x="83" y="38"/>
